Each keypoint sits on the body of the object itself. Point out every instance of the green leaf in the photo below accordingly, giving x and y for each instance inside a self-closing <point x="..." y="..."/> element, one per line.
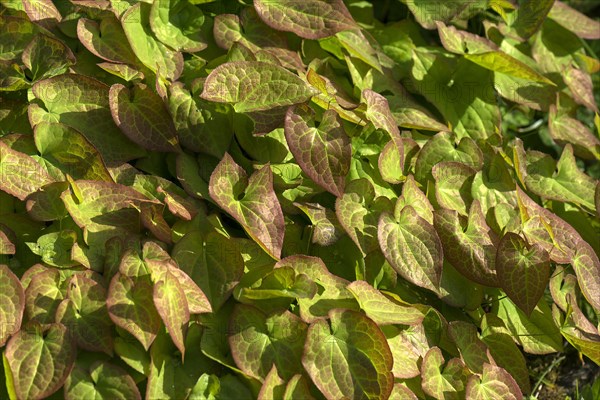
<point x="463" y="42"/>
<point x="530" y="16"/>
<point x="198" y="123"/>
<point x="412" y="246"/>
<point x="442" y="147"/>
<point x="575" y="21"/>
<point x="472" y="251"/>
<point x="46" y="57"/>
<point x="504" y="350"/>
<point x="178" y="24"/>
<point x="31" y="175"/>
<point x="143" y="118"/>
<point x="326" y="228"/>
<point x="13" y="303"/>
<point x="495" y="383"/>
<point x="453" y="182"/>
<point x="82" y="103"/>
<point x="43" y="295"/>
<point x="381" y="309"/>
<point x="15" y="33"/>
<point x="561" y="181"/>
<point x="523" y="271"/>
<point x="537" y="333"/>
<point x="427" y="12"/>
<point x="255" y="86"/>
<point x="358" y="212"/>
<point x="106" y="39"/>
<point x="251" y="201"/>
<point x="216" y="265"/>
<point x="473" y="351"/>
<point x="454" y="86"/>
<point x="131" y="307"/>
<point x="348" y="357"/>
<point x="332" y="292"/>
<point x="311" y="19"/>
<point x="405" y="352"/>
<point x="55" y="248"/>
<point x="40" y="360"/>
<point x="584" y="342"/>
<point x="172" y="306"/>
<point x="503" y="63"/>
<point x="323" y="151"/>
<point x="150" y="51"/>
<point x="258" y="341"/>
<point x="85" y="314"/>
<point x="70" y="151"/>
<point x="100" y="380"/>
<point x="443" y="382"/>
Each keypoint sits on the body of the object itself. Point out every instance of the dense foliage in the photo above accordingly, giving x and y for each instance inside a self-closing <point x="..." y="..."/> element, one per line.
<point x="295" y="199"/>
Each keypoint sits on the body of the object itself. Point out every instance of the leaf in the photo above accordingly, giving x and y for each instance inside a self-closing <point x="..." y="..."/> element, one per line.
<point x="427" y="12"/>
<point x="561" y="181"/>
<point x="442" y="147"/>
<point x="216" y="266"/>
<point x="473" y="351"/>
<point x="472" y="251"/>
<point x="198" y="123"/>
<point x="326" y="228"/>
<point x="273" y="386"/>
<point x="13" y="304"/>
<point x="150" y="51"/>
<point x="332" y="290"/>
<point x="323" y="152"/>
<point x="178" y="24"/>
<point x="405" y="353"/>
<point x="443" y="382"/>
<point x="537" y="333"/>
<point x="358" y="212"/>
<point x="504" y="350"/>
<point x="503" y="63"/>
<point x="85" y="315"/>
<point x="31" y="175"/>
<point x="252" y="202"/>
<point x="466" y="104"/>
<point x="463" y="42"/>
<point x="40" y="360"/>
<point x="413" y="197"/>
<point x="495" y="383"/>
<point x="259" y="341"/>
<point x="255" y="86"/>
<point x="43" y="296"/>
<point x="581" y="86"/>
<point x="45" y="57"/>
<point x="523" y="271"/>
<point x="131" y="307"/>
<point x="348" y="357"/>
<point x="100" y="380"/>
<point x="172" y="306"/>
<point x="70" y="151"/>
<point x="382" y="310"/>
<point x="106" y="39"/>
<point x="82" y="103"/>
<point x="576" y="22"/>
<point x="453" y="182"/>
<point x="15" y="33"/>
<point x="412" y="246"/>
<point x="586" y="343"/>
<point x="530" y="16"/>
<point x="143" y="118"/>
<point x="311" y="19"/>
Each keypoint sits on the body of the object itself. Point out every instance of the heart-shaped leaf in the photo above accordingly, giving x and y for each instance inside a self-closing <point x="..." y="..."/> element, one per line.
<point x="323" y="152"/>
<point x="252" y="202"/>
<point x="40" y="360"/>
<point x="13" y="303"/>
<point x="172" y="306"/>
<point x="412" y="246"/>
<point x="143" y="117"/>
<point x="131" y="307"/>
<point x="310" y="19"/>
<point x="443" y="382"/>
<point x="523" y="271"/>
<point x="27" y="176"/>
<point x="255" y="86"/>
<point x="100" y="380"/>
<point x="258" y="341"/>
<point x="495" y="383"/>
<point x="348" y="357"/>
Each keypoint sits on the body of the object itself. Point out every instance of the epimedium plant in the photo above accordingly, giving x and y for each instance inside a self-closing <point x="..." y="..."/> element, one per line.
<point x="285" y="199"/>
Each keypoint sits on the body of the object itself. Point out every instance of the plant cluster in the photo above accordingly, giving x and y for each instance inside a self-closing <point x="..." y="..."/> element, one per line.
<point x="295" y="199"/>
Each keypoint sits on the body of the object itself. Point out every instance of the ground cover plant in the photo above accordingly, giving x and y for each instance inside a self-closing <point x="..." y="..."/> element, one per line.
<point x="285" y="199"/>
